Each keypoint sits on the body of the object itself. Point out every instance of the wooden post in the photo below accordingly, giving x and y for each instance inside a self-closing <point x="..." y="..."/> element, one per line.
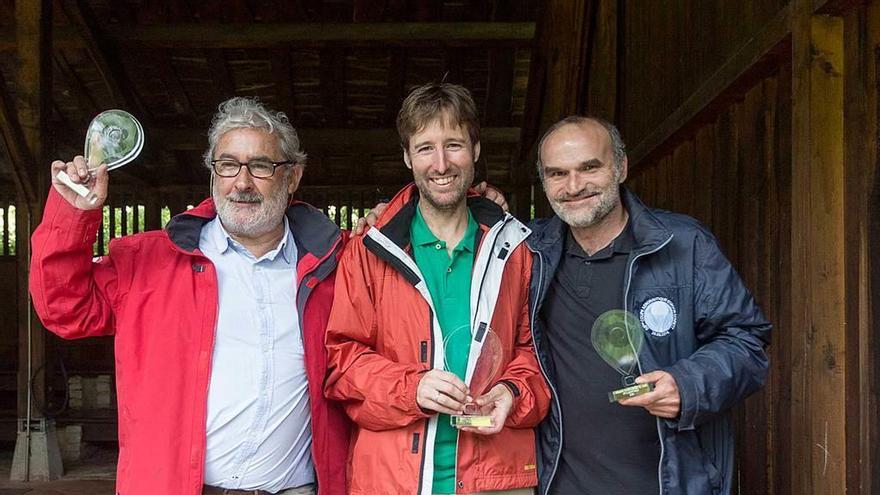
<point x="818" y="321"/>
<point x="36" y="453"/>
<point x="556" y="78"/>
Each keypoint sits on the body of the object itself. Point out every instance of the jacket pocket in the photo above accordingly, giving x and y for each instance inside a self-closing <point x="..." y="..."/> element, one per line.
<point x="707" y="454"/>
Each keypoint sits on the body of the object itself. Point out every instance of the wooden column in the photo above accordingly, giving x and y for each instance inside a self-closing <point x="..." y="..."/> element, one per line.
<point x="556" y="79"/>
<point x="862" y="231"/>
<point x="32" y="101"/>
<point x="818" y="248"/>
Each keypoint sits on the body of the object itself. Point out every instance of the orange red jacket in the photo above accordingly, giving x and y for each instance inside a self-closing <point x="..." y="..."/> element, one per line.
<point x="383" y="336"/>
<point x="157" y="295"/>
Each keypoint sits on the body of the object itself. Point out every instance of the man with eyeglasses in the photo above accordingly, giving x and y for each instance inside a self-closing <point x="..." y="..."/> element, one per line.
<point x="218" y="320"/>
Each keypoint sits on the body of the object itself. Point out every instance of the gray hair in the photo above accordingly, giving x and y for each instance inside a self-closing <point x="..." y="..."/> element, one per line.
<point x="248" y="113"/>
<point x="618" y="147"/>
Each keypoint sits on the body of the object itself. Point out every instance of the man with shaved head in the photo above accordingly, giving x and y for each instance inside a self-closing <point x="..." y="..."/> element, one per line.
<point x="704" y="337"/>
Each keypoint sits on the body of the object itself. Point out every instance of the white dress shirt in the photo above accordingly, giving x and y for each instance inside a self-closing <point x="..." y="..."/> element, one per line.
<point x="259" y="432"/>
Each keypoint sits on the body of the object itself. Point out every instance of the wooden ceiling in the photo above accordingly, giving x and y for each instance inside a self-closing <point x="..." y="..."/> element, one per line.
<point x="338" y="68"/>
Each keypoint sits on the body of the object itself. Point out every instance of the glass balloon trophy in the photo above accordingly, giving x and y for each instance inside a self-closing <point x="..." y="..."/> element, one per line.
<point x="618" y="337"/>
<point x="483" y="361"/>
<point x="114" y="137"/>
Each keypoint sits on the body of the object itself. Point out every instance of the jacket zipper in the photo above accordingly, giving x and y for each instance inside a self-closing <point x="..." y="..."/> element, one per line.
<point x="541" y="365"/>
<point x="638" y="361"/>
<point x="482" y="279"/>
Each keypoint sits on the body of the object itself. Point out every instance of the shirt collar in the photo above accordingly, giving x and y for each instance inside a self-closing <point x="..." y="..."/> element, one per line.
<point x="622" y="244"/>
<point x="222" y="241"/>
<point x="421" y="235"/>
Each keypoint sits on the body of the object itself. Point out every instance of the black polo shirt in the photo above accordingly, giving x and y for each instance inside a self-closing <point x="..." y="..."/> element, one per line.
<point x="607" y="448"/>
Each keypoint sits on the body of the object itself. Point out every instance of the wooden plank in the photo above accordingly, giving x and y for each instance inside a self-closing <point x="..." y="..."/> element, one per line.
<point x="499" y="89"/>
<point x="367" y="140"/>
<point x="283" y="78"/>
<point x="222" y="76"/>
<point x="749" y="204"/>
<point x="255" y="35"/>
<point x="15" y="148"/>
<point x="704" y="159"/>
<point x="556" y="75"/>
<point x="860" y="157"/>
<point x="603" y="76"/>
<point x="33" y="83"/>
<point x="333" y="86"/>
<point x="818" y="284"/>
<point x="746" y="59"/>
<point x="162" y="63"/>
<point x="394" y="86"/>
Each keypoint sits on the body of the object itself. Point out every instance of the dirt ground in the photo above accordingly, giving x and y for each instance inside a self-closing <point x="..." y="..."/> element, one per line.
<point x="93" y="475"/>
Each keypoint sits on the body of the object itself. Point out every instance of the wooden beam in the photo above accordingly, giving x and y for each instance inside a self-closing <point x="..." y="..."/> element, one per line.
<point x="13" y="145"/>
<point x="861" y="116"/>
<point x="342" y="140"/>
<point x="33" y="82"/>
<point x="556" y="75"/>
<point x="603" y="75"/>
<point x="499" y="89"/>
<point x="835" y="7"/>
<point x="770" y="37"/>
<point x="254" y="35"/>
<point x="818" y="285"/>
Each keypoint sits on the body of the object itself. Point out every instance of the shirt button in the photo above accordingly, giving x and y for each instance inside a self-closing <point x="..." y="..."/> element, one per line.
<point x="439" y="246"/>
<point x="449" y="270"/>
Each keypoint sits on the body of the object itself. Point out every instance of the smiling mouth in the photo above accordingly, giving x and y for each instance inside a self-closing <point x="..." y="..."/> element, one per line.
<point x="580" y="198"/>
<point x="443" y="181"/>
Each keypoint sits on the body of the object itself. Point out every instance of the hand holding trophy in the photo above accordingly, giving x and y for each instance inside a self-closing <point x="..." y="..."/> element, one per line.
<point x="114" y="138"/>
<point x="484" y="361"/>
<point x="617" y="336"/>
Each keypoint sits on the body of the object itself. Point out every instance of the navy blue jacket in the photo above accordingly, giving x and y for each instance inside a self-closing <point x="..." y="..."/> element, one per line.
<point x="710" y="335"/>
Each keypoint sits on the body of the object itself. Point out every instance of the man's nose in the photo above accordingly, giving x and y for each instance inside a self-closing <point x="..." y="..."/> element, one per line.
<point x="244" y="180"/>
<point x="442" y="163"/>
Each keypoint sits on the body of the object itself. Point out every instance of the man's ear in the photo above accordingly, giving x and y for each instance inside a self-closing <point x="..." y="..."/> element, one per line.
<point x="406" y="159"/>
<point x="296" y="174"/>
<point x="624" y="166"/>
<point x="477" y="152"/>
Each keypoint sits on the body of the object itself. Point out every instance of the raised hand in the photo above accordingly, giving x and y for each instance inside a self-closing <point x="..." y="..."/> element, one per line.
<point x="79" y="174"/>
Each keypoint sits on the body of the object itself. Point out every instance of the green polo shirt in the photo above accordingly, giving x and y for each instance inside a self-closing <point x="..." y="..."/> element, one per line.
<point x="449" y="282"/>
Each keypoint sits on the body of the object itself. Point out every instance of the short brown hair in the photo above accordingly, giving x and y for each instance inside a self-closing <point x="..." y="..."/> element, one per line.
<point x="432" y="101"/>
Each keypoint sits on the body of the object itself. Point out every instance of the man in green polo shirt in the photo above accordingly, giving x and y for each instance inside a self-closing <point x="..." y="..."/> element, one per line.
<point x="416" y="298"/>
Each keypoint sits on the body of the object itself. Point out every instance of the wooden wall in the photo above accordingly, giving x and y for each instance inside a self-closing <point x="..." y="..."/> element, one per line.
<point x="732" y="173"/>
<point x="780" y="159"/>
<point x="695" y="39"/>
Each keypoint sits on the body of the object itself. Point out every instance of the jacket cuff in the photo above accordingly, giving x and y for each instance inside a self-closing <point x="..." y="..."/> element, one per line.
<point x="80" y="226"/>
<point x="413" y="396"/>
<point x="689" y="399"/>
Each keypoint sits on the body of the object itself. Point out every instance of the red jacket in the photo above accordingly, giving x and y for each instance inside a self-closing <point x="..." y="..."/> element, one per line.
<point x="383" y="336"/>
<point x="157" y="293"/>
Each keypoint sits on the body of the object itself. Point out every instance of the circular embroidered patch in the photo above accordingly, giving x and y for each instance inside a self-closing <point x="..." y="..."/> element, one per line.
<point x="658" y="316"/>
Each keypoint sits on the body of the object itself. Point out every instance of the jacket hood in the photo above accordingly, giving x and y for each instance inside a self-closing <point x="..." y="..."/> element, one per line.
<point x="648" y="230"/>
<point x="313" y="231"/>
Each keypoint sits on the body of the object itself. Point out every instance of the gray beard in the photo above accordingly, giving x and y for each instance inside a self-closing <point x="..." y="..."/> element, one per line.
<point x="590" y="217"/>
<point x="266" y="218"/>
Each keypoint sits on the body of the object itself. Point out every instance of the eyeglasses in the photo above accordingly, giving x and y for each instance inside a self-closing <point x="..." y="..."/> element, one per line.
<point x="260" y="169"/>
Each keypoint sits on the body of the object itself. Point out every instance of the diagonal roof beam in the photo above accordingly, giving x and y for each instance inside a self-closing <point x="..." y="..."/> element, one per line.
<point x="13" y="145"/>
<point x="96" y="44"/>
